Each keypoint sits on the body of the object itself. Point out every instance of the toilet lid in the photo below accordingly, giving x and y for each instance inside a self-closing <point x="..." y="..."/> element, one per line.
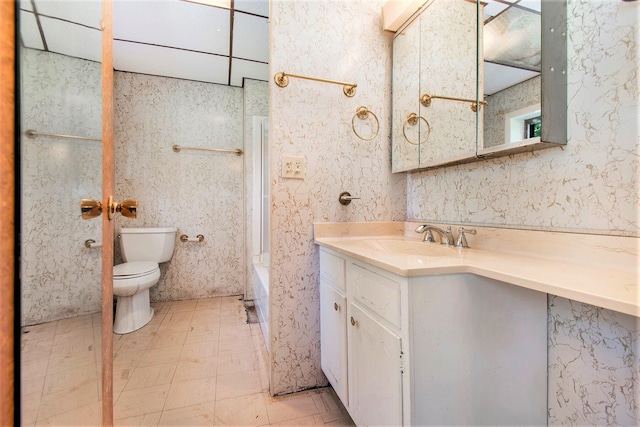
<point x="130" y="270"/>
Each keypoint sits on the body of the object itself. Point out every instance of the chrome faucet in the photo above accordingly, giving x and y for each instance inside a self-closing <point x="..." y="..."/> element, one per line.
<point x="428" y="235"/>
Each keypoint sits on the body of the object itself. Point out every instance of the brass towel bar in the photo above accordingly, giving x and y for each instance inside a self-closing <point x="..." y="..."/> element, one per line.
<point x="33" y="134"/>
<point x="425" y="100"/>
<point x="282" y="80"/>
<point x="178" y="148"/>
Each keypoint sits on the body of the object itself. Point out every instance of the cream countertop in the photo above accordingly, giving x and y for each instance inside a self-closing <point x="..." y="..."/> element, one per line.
<point x="594" y="269"/>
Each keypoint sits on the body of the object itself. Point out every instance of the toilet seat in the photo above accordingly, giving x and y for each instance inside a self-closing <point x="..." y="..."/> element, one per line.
<point x="132" y="270"/>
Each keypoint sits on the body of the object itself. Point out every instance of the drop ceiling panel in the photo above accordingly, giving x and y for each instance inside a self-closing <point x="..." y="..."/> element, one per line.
<point x="160" y="61"/>
<point x="25" y="5"/>
<point x="72" y="40"/>
<point x="492" y="8"/>
<point x="252" y="70"/>
<point x="499" y="77"/>
<point x="257" y="7"/>
<point x="531" y="4"/>
<point x="514" y="38"/>
<point x="251" y="37"/>
<point x="173" y="23"/>
<point x="218" y="3"/>
<point x="85" y="12"/>
<point x="29" y="31"/>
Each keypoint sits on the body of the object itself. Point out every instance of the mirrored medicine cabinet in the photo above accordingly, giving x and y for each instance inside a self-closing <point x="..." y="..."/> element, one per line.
<point x="478" y="79"/>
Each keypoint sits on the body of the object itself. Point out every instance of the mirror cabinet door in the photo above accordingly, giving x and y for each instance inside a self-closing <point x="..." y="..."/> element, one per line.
<point x="435" y="59"/>
<point x="484" y="51"/>
<point x="448" y="80"/>
<point x="406" y="127"/>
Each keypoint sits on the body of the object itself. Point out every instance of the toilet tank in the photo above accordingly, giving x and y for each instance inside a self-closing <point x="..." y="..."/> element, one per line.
<point x="147" y="244"/>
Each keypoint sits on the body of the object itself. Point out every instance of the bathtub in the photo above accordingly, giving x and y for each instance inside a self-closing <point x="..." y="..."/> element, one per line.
<point x="261" y="298"/>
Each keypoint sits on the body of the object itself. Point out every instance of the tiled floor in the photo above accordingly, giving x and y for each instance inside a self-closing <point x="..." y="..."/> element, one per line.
<point x="196" y="363"/>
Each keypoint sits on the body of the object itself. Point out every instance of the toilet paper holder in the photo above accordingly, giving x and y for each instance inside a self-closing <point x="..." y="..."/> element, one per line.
<point x="90" y="243"/>
<point x="184" y="238"/>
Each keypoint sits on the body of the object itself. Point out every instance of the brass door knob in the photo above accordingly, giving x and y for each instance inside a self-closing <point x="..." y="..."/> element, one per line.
<point x="90" y="208"/>
<point x="128" y="208"/>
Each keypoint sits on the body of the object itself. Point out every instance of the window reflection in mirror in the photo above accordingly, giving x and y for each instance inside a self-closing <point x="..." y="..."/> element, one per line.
<point x="512" y="64"/>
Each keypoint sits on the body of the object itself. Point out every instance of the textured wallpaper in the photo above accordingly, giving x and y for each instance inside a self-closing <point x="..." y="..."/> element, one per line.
<point x="593" y="365"/>
<point x="60" y="276"/>
<point x="197" y="192"/>
<point x="337" y="40"/>
<point x="592" y="183"/>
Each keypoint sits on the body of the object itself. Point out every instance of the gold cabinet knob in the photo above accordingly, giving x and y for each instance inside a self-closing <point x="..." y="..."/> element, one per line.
<point x="90" y="208"/>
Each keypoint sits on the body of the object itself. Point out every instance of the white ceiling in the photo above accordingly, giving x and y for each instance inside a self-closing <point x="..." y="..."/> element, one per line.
<point x="215" y="41"/>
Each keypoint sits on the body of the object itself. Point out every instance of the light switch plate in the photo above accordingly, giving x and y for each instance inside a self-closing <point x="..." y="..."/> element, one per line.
<point x="294" y="167"/>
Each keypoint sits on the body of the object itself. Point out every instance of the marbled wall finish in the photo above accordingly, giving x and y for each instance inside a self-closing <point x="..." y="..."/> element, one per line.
<point x="197" y="192"/>
<point x="339" y="40"/>
<point x="256" y="103"/>
<point x="504" y="102"/>
<point x="591" y="184"/>
<point x="60" y="276"/>
<point x="594" y="367"/>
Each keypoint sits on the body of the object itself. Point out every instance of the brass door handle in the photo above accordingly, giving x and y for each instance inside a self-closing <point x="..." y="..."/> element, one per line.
<point x="128" y="208"/>
<point x="90" y="208"/>
<point x="93" y="208"/>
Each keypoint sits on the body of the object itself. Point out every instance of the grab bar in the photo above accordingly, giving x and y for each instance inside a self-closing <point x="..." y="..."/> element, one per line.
<point x="30" y="133"/>
<point x="178" y="148"/>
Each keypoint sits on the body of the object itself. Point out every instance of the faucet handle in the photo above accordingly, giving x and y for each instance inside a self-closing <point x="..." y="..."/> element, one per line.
<point x="461" y="241"/>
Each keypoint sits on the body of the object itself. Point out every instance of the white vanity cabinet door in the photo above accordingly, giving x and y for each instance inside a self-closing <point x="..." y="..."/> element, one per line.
<point x="333" y="339"/>
<point x="375" y="376"/>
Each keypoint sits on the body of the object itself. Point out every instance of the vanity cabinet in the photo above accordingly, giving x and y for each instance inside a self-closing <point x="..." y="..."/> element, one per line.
<point x="374" y="347"/>
<point x="333" y="333"/>
<point x="441" y="349"/>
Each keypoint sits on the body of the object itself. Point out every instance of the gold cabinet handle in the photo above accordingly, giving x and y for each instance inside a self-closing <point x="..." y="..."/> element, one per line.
<point x="353" y="321"/>
<point x="90" y="208"/>
<point x="336" y="306"/>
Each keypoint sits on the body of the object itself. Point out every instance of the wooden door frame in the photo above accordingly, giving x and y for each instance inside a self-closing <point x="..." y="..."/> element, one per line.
<point x="108" y="184"/>
<point x="9" y="327"/>
<point x="9" y="413"/>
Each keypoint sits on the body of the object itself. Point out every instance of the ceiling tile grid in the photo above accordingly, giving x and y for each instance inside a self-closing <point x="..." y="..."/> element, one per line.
<point x="215" y="41"/>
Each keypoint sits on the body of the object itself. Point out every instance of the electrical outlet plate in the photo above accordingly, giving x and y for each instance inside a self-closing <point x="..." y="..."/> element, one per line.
<point x="293" y="167"/>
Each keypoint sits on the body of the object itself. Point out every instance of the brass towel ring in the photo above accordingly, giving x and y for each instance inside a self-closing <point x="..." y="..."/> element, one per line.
<point x="413" y="119"/>
<point x="363" y="113"/>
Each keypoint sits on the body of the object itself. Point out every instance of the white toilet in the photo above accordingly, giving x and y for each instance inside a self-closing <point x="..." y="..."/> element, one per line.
<point x="142" y="249"/>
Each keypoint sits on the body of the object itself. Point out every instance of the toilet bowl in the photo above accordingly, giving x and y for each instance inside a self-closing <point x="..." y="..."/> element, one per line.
<point x="131" y="283"/>
<point x="142" y="250"/>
